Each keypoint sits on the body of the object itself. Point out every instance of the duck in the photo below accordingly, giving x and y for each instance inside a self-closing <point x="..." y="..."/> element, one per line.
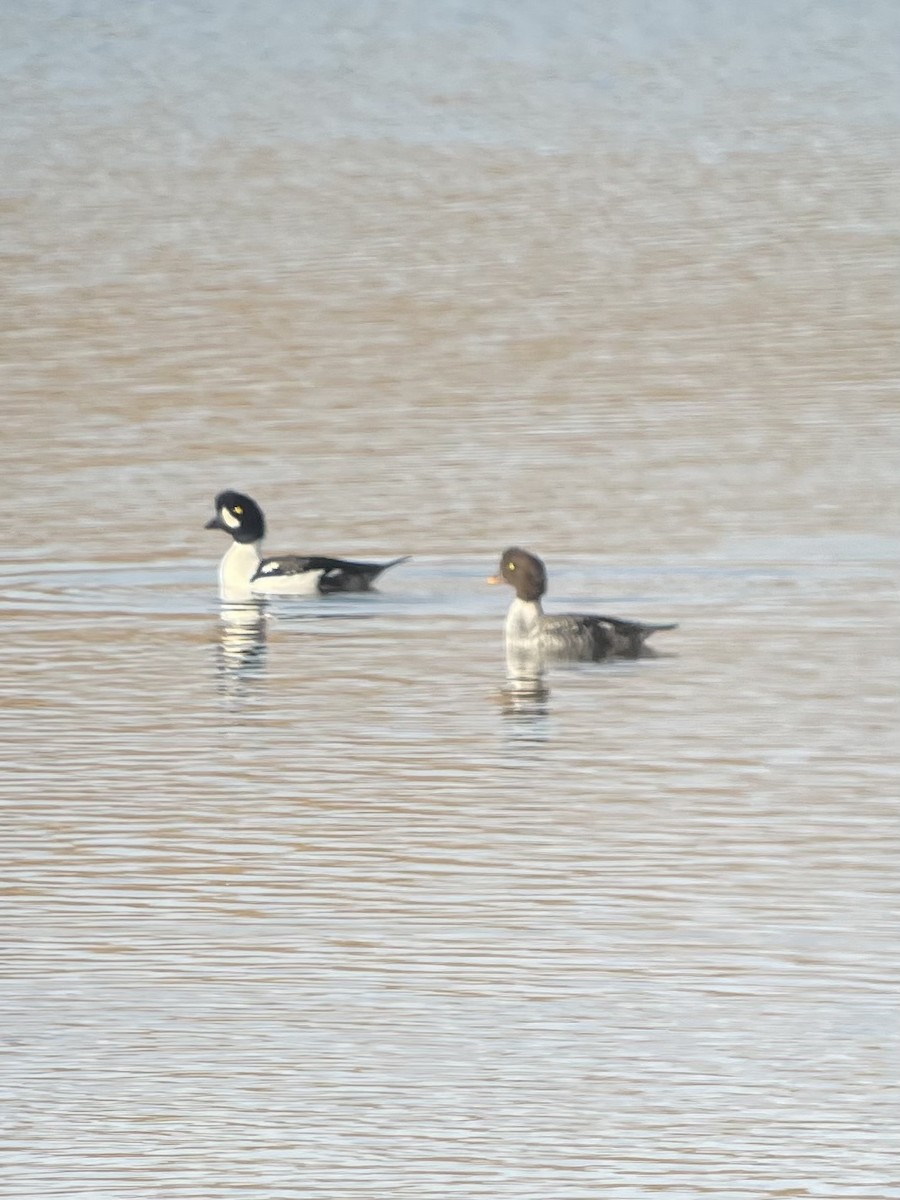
<point x="244" y="572"/>
<point x="584" y="637"/>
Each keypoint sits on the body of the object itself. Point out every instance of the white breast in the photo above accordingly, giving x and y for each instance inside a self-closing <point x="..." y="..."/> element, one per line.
<point x="236" y="570"/>
<point x="523" y="621"/>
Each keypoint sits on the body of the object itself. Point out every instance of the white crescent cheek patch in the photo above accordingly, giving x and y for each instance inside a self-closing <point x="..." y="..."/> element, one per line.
<point x="229" y="519"/>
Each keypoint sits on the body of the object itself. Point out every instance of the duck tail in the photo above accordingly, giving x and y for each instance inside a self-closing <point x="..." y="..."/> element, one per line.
<point x="647" y="630"/>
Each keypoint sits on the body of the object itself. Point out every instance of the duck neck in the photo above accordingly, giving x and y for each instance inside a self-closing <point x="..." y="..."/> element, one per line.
<point x="523" y="619"/>
<point x="237" y="568"/>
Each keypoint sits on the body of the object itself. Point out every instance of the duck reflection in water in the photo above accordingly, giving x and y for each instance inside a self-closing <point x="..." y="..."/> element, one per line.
<point x="242" y="646"/>
<point x="525" y="697"/>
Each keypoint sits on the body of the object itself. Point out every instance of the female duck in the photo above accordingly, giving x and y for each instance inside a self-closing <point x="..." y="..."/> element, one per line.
<point x="583" y="637"/>
<point x="244" y="572"/>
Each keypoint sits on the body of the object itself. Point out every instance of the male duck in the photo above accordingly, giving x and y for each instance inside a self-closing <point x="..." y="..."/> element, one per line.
<point x="244" y="572"/>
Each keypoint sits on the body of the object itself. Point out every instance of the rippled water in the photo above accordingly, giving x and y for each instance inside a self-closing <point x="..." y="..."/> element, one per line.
<point x="306" y="899"/>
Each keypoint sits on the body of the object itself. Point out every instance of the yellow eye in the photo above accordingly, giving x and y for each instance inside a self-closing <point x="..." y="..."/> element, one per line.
<point x="238" y="509"/>
<point x="510" y="566"/>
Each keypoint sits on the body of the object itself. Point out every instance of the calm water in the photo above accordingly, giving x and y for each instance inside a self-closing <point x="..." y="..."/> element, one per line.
<point x="306" y="899"/>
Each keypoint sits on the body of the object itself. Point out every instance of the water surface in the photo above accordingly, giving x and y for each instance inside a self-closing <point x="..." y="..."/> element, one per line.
<point x="305" y="898"/>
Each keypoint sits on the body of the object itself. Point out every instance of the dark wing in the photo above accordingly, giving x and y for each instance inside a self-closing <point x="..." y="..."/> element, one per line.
<point x="281" y="565"/>
<point x="342" y="576"/>
<point x="590" y="636"/>
<point x="613" y="635"/>
<point x="334" y="574"/>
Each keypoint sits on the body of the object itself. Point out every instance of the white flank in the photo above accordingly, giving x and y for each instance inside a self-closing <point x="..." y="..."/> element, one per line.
<point x="305" y="583"/>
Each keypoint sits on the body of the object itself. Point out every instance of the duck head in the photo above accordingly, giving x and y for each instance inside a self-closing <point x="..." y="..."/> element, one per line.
<point x="524" y="572"/>
<point x="240" y="516"/>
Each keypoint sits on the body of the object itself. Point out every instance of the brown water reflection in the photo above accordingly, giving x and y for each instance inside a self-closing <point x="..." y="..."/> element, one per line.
<point x="310" y="898"/>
